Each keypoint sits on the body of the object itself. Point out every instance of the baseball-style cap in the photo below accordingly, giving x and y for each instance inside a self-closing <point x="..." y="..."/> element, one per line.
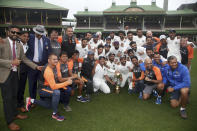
<point x="172" y="31"/>
<point x="90" y="52"/>
<point x="162" y="37"/>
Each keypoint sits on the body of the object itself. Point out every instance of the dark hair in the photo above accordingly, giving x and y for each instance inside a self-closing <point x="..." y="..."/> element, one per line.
<point x="51" y="54"/>
<point x="121" y="32"/>
<point x="63" y="53"/>
<point x="149" y="48"/>
<point x="139" y="29"/>
<point x="69" y="27"/>
<point x="100" y="46"/>
<point x="87" y="33"/>
<point x="171" y="58"/>
<point x="149" y="37"/>
<point x="132" y="42"/>
<point x="54" y="31"/>
<point x="83" y="39"/>
<point x="101" y="57"/>
<point x="129" y="32"/>
<point x="13" y="26"/>
<point x="129" y="51"/>
<point x="24" y="32"/>
<point x="134" y="57"/>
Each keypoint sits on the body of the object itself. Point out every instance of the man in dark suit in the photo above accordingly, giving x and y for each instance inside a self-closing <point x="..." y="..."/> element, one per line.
<point x="24" y="37"/>
<point x="11" y="55"/>
<point x="38" y="50"/>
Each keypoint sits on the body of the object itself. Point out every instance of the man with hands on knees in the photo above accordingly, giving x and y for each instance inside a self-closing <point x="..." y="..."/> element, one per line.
<point x="178" y="78"/>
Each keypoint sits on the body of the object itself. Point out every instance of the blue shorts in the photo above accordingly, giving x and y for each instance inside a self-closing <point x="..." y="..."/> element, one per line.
<point x="175" y="95"/>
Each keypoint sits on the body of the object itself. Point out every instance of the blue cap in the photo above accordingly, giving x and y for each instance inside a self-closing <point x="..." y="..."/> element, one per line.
<point x="107" y="45"/>
<point x="90" y="52"/>
<point x="94" y="36"/>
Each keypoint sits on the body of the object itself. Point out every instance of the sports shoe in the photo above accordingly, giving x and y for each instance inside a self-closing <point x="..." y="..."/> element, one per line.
<point x="158" y="101"/>
<point x="28" y="103"/>
<point x="67" y="108"/>
<point x="58" y="117"/>
<point x="183" y="114"/>
<point x="155" y="93"/>
<point x="130" y="91"/>
<point x="140" y="96"/>
<point x="82" y="99"/>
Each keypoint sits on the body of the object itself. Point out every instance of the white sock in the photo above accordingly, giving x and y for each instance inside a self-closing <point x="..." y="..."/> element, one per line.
<point x="182" y="108"/>
<point x="79" y="96"/>
<point x="32" y="100"/>
<point x="54" y="113"/>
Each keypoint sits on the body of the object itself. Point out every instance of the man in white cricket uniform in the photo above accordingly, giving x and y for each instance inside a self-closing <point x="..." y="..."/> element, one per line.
<point x="100" y="77"/>
<point x="82" y="48"/>
<point x="140" y="39"/>
<point x="173" y="45"/>
<point x="125" y="69"/>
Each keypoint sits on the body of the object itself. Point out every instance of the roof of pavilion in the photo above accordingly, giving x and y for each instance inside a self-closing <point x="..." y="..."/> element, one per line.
<point x="30" y="4"/>
<point x="134" y="9"/>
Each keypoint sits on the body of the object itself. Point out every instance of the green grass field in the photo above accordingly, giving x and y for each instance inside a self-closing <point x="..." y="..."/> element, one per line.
<point x="114" y="112"/>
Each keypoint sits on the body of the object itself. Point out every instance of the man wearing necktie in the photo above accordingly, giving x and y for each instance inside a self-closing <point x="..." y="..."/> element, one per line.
<point x="38" y="50"/>
<point x="11" y="55"/>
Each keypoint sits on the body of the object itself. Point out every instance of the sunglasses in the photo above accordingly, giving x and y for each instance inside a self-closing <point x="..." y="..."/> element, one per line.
<point x="14" y="32"/>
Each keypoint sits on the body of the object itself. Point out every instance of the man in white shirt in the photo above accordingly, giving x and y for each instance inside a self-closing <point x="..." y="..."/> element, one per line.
<point x="82" y="48"/>
<point x="106" y="50"/>
<point x="129" y="38"/>
<point x="174" y="45"/>
<point x="94" y="42"/>
<point x="99" y="52"/>
<point x="140" y="39"/>
<point x="140" y="52"/>
<point x="122" y="40"/>
<point x="125" y="69"/>
<point x="111" y="66"/>
<point x="113" y="37"/>
<point x="117" y="50"/>
<point x="100" y="77"/>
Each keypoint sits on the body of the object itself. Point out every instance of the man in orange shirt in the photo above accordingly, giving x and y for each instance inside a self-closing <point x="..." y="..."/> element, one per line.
<point x="63" y="75"/>
<point x="74" y="67"/>
<point x="153" y="80"/>
<point x="50" y="91"/>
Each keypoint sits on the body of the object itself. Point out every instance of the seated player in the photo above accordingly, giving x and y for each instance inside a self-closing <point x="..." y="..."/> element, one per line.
<point x="50" y="92"/>
<point x="100" y="76"/>
<point x="178" y="77"/>
<point x="138" y="77"/>
<point x="125" y="69"/>
<point x="153" y="80"/>
<point x="74" y="67"/>
<point x="63" y="75"/>
<point x="86" y="73"/>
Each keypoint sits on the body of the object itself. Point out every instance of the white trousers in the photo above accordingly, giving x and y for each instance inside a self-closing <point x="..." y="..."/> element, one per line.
<point x="100" y="84"/>
<point x="126" y="77"/>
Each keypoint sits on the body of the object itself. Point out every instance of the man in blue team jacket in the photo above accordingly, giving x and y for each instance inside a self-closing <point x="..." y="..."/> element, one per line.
<point x="178" y="77"/>
<point x="38" y="51"/>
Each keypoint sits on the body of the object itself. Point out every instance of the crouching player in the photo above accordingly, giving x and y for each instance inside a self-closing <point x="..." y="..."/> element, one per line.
<point x="178" y="77"/>
<point x="50" y="91"/>
<point x="153" y="80"/>
<point x="138" y="77"/>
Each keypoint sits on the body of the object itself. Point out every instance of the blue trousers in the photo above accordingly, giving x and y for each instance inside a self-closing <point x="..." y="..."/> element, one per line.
<point x="52" y="99"/>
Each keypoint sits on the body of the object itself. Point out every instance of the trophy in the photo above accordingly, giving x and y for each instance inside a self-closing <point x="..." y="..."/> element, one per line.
<point x="118" y="78"/>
